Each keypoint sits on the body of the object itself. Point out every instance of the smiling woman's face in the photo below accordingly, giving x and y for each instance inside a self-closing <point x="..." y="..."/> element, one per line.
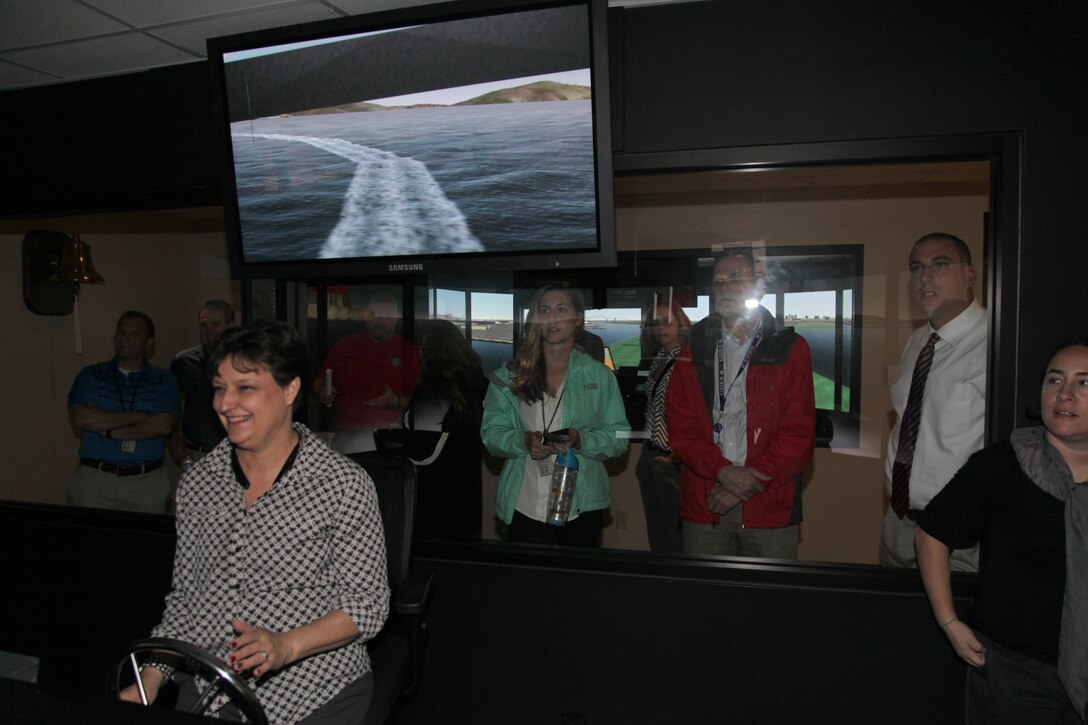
<point x="253" y="408"/>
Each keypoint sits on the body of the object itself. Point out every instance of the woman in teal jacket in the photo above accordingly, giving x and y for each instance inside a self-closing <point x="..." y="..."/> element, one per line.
<point x="552" y="396"/>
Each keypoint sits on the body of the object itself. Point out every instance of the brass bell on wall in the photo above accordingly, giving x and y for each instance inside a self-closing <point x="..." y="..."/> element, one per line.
<point x="76" y="265"/>
<point x="54" y="266"/>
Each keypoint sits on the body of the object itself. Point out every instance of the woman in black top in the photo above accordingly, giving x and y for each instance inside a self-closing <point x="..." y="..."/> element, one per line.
<point x="1026" y="501"/>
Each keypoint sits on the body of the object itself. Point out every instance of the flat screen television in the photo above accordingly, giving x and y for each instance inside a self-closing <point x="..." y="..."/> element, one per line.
<point x="456" y="136"/>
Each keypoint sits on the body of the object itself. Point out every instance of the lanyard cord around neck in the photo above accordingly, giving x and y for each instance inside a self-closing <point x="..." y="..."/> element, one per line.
<point x="723" y="396"/>
<point x="118" y="376"/>
<point x="548" y="423"/>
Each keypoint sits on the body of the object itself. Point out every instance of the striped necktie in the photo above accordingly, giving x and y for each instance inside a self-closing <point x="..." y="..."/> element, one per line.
<point x="908" y="429"/>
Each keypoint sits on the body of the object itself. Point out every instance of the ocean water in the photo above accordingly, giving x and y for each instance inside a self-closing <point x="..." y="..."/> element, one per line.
<point x="505" y="177"/>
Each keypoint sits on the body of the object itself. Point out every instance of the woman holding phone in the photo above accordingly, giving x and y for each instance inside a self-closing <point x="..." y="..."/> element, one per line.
<point x="551" y="397"/>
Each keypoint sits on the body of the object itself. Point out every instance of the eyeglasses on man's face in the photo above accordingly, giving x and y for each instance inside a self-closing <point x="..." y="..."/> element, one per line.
<point x="724" y="280"/>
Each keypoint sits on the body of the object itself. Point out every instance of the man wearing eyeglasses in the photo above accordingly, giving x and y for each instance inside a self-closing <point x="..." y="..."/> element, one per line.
<point x="741" y="417"/>
<point x="933" y="437"/>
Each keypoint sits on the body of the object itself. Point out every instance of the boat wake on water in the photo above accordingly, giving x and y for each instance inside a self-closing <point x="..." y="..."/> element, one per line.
<point x="392" y="206"/>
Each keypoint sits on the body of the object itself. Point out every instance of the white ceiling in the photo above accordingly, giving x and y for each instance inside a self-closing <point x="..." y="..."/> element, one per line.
<point x="51" y="41"/>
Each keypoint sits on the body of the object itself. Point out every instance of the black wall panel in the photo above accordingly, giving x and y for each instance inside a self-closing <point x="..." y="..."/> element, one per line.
<point x="128" y="142"/>
<point x="523" y="635"/>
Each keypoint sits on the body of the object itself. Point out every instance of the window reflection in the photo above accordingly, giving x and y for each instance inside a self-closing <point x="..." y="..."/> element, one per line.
<point x="262" y="298"/>
<point x="834" y="259"/>
<point x="492" y="328"/>
<point x="666" y="225"/>
<point x="366" y="369"/>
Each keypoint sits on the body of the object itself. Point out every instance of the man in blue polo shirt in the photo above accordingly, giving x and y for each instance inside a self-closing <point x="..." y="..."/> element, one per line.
<point x="122" y="409"/>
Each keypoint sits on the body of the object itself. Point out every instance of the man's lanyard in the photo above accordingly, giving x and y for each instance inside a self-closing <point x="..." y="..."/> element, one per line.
<point x="723" y="391"/>
<point x="548" y="423"/>
<point x="120" y="390"/>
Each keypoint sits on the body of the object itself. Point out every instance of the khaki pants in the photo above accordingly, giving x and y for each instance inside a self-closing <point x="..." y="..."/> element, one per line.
<point x="729" y="538"/>
<point x="897" y="546"/>
<point x="90" y="487"/>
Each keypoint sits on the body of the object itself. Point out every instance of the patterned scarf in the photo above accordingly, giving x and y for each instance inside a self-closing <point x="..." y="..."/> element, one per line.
<point x="1048" y="470"/>
<point x="657" y="384"/>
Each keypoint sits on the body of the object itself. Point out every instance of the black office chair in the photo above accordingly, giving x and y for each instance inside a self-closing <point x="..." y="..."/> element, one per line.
<point x="396" y="654"/>
<point x="449" y="491"/>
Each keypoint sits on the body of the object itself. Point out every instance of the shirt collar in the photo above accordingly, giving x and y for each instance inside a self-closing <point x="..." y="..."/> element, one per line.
<point x="116" y="367"/>
<point x="962" y="324"/>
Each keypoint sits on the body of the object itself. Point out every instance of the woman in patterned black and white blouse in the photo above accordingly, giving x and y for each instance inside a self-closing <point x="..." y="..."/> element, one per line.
<point x="280" y="563"/>
<point x="664" y="330"/>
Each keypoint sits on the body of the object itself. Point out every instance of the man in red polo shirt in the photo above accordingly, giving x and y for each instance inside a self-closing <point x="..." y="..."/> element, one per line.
<point x="373" y="372"/>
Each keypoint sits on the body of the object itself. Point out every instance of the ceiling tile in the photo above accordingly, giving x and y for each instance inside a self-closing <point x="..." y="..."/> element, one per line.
<point x="12" y="76"/>
<point x="195" y="34"/>
<point x="26" y="23"/>
<point x="100" y="56"/>
<point x="149" y="13"/>
<point x="358" y="7"/>
<point x="58" y="40"/>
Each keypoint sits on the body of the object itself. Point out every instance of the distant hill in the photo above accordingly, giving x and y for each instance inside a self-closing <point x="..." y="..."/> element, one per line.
<point x="532" y="93"/>
<point x="344" y="108"/>
<point x="529" y="93"/>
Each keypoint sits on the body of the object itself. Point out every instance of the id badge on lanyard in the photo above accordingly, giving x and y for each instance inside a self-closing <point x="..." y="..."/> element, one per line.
<point x="723" y="391"/>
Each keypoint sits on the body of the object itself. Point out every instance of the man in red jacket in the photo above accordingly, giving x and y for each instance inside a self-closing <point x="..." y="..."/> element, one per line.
<point x="741" y="416"/>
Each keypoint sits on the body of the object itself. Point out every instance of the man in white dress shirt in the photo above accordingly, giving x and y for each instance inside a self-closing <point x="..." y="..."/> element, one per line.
<point x="951" y="423"/>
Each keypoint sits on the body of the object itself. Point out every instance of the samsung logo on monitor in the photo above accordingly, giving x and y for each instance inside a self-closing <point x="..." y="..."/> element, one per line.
<point x="407" y="267"/>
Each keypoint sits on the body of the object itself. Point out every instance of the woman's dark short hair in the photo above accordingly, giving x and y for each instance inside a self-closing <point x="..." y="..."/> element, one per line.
<point x="266" y="345"/>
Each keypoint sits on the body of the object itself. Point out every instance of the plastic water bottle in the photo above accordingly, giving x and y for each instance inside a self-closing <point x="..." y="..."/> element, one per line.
<point x="561" y="495"/>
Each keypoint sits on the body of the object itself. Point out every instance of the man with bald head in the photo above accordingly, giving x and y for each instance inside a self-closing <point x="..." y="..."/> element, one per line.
<point x="940" y="416"/>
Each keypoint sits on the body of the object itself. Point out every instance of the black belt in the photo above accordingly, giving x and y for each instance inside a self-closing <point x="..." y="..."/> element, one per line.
<point x="654" y="447"/>
<point x="121" y="470"/>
